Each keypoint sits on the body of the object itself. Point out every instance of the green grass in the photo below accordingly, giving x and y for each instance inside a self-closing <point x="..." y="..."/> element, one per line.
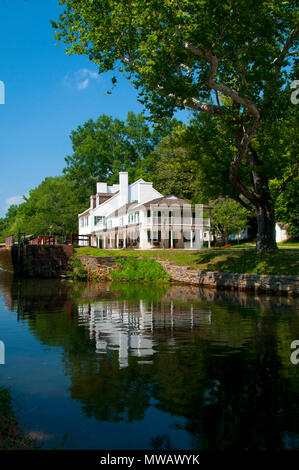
<point x="292" y="243"/>
<point x="246" y="260"/>
<point x="11" y="436"/>
<point x="134" y="269"/>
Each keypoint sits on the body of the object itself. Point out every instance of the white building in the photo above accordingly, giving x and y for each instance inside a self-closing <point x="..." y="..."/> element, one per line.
<point x="138" y="216"/>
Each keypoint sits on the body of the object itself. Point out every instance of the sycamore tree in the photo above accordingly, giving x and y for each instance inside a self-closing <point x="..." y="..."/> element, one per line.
<point x="231" y="59"/>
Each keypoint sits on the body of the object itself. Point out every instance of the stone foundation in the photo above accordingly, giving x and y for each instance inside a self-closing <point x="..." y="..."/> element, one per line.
<point x="100" y="265"/>
<point x="279" y="284"/>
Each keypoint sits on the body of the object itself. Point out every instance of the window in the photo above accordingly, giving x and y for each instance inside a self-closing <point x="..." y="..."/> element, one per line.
<point x="97" y="219"/>
<point x="137" y="217"/>
<point x="149" y="213"/>
<point x="82" y="222"/>
<point x="149" y="236"/>
<point x="86" y="221"/>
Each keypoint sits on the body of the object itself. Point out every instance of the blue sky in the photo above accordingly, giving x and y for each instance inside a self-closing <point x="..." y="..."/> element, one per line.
<point x="47" y="94"/>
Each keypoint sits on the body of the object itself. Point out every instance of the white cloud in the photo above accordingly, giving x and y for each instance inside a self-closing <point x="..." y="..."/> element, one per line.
<point x="14" y="200"/>
<point x="81" y="79"/>
<point x="83" y="85"/>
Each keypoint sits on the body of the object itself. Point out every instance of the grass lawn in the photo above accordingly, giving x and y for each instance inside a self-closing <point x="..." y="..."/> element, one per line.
<point x="246" y="260"/>
<point x="289" y="244"/>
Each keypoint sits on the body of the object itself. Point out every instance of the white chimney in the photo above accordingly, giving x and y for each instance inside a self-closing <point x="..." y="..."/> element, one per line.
<point x="101" y="187"/>
<point x="123" y="187"/>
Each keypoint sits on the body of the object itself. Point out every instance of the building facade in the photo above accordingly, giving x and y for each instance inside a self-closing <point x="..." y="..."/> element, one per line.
<point x="138" y="216"/>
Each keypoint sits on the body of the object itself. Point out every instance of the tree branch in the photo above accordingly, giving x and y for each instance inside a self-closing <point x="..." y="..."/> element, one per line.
<point x="246" y="206"/>
<point x="285" y="49"/>
<point x="211" y="57"/>
<point x="194" y="104"/>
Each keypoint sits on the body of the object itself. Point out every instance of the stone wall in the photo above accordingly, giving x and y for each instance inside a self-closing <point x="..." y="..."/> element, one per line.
<point x="284" y="285"/>
<point x="100" y="265"/>
<point x="42" y="260"/>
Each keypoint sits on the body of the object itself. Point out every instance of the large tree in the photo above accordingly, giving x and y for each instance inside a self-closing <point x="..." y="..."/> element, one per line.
<point x="51" y="208"/>
<point x="103" y="147"/>
<point x="186" y="54"/>
<point x="172" y="169"/>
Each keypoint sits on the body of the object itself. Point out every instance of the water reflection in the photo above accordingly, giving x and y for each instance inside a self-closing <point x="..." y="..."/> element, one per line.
<point x="215" y="362"/>
<point x="132" y="329"/>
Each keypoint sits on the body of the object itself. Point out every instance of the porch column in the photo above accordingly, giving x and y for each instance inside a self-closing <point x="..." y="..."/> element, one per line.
<point x="104" y="242"/>
<point x="125" y="238"/>
<point x="209" y="240"/>
<point x="117" y="240"/>
<point x="191" y="239"/>
<point x="171" y="239"/>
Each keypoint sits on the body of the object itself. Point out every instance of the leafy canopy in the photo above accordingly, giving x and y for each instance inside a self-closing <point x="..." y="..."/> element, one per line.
<point x="168" y="48"/>
<point x="108" y="145"/>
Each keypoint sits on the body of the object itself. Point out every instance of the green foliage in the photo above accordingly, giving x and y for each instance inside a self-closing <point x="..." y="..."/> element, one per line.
<point x="133" y="269"/>
<point x="103" y="148"/>
<point x="77" y="269"/>
<point x="147" y="41"/>
<point x="227" y="217"/>
<point x="287" y="204"/>
<point x="232" y="60"/>
<point x="51" y="209"/>
<point x="243" y="259"/>
<point x="171" y="169"/>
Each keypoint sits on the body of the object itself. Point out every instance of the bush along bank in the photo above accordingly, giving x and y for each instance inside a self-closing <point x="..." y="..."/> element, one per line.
<point x="121" y="268"/>
<point x="134" y="269"/>
<point x="11" y="436"/>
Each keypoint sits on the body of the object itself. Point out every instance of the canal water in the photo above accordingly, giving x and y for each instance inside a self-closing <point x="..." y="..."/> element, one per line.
<point x="130" y="366"/>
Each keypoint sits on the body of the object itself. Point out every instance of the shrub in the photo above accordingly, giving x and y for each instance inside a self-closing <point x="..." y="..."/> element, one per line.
<point x="134" y="269"/>
<point x="78" y="270"/>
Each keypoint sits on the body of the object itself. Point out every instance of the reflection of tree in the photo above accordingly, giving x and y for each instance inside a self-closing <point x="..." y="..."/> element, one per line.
<point x="238" y="400"/>
<point x="108" y="393"/>
<point x="231" y="381"/>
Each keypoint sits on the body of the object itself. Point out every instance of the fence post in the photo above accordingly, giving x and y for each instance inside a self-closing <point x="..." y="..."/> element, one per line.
<point x="19" y="250"/>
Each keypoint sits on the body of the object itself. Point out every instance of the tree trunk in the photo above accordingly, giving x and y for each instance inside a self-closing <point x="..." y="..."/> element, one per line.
<point x="265" y="230"/>
<point x="266" y="237"/>
<point x="226" y="236"/>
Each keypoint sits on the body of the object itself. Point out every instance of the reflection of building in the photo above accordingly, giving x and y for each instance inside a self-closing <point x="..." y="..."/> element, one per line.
<point x="134" y="330"/>
<point x="138" y="216"/>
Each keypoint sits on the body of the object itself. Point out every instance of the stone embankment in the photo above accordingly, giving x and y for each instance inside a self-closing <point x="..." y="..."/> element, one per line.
<point x="100" y="265"/>
<point x="279" y="284"/>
